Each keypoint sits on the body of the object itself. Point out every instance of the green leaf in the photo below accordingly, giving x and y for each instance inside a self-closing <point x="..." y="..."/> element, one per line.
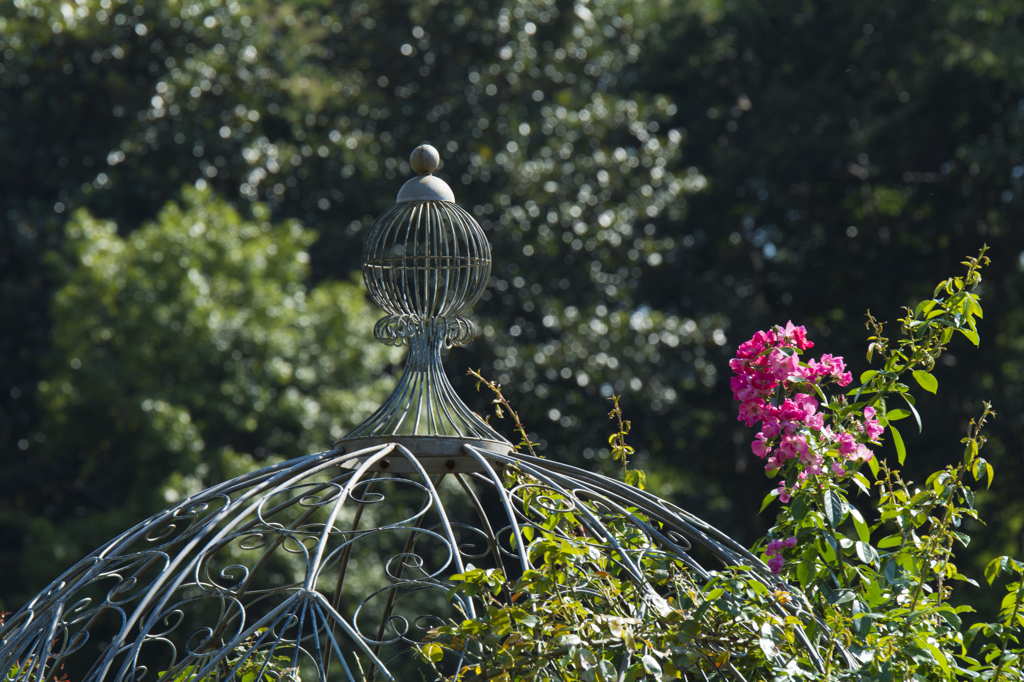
<point x="937" y="654"/>
<point x="798" y="509"/>
<point x="925" y="306"/>
<point x="927" y="381"/>
<point x="651" y="665"/>
<point x="897" y="440"/>
<point x="896" y="415"/>
<point x="863" y="532"/>
<point x="866" y="552"/>
<point x="890" y="541"/>
<point x="972" y="335"/>
<point x="606" y="671"/>
<point x="949" y="615"/>
<point x="834" y="508"/>
<point x="865" y="377"/>
<point x="862" y="482"/>
<point x="805" y="572"/>
<point x="432" y="652"/>
<point x="841" y="597"/>
<point x="768" y="500"/>
<point x="636" y="478"/>
<point x="585" y="659"/>
<point x="917" y="417"/>
<point x="995" y="567"/>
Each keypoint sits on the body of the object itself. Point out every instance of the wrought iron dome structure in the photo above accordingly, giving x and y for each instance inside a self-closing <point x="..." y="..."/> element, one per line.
<point x="336" y="564"/>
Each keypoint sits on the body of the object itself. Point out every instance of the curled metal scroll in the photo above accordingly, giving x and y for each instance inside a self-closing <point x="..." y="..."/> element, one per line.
<point x="326" y="567"/>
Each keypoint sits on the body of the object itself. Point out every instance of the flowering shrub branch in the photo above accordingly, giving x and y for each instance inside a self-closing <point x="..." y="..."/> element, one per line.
<point x="875" y="577"/>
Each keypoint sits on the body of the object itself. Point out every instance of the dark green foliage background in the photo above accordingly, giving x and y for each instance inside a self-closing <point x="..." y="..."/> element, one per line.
<point x="658" y="182"/>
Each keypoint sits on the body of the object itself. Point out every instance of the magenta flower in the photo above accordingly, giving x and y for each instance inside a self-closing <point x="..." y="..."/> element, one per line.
<point x="793" y="446"/>
<point x="795" y="336"/>
<point x="775" y="563"/>
<point x="760" y="447"/>
<point x="771" y="385"/>
<point x="862" y="454"/>
<point x="783" y="364"/>
<point x="750" y="411"/>
<point x="807" y="403"/>
<point x="871" y="426"/>
<point x="770" y="428"/>
<point x="847" y="444"/>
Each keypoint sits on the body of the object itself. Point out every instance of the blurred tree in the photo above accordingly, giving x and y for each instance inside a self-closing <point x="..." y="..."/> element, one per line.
<point x="180" y="353"/>
<point x="853" y="150"/>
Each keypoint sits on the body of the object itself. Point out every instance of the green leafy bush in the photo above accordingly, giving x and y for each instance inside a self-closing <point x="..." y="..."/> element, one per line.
<point x="859" y="570"/>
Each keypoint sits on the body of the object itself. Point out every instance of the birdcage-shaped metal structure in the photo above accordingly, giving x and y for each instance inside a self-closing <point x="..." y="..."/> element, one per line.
<point x="337" y="564"/>
<point x="425" y="262"/>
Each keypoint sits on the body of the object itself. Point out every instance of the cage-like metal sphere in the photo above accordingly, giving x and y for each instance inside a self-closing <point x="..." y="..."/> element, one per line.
<point x="425" y="259"/>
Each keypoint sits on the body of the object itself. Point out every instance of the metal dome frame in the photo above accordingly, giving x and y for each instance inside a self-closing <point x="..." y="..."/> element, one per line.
<point x="151" y="578"/>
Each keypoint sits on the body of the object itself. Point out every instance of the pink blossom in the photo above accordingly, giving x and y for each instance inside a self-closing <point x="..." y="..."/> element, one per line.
<point x="791" y="412"/>
<point x="817" y="422"/>
<point x="807" y="403"/>
<point x="738" y="365"/>
<point x="754" y="346"/>
<point x="760" y="447"/>
<point x="770" y="428"/>
<point x="811" y="370"/>
<point x="774" y="547"/>
<point x="783" y="364"/>
<point x="838" y="470"/>
<point x="775" y="563"/>
<point x="789" y="542"/>
<point x="763" y="381"/>
<point x="862" y="454"/>
<point x="795" y="336"/>
<point x="784" y="494"/>
<point x="847" y="445"/>
<point x="871" y="426"/>
<point x="836" y="368"/>
<point x="750" y="411"/>
<point x="793" y="445"/>
<point x="772" y="463"/>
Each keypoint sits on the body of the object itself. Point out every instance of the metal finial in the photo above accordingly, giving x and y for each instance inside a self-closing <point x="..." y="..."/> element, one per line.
<point x="425" y="262"/>
<point x="424" y="160"/>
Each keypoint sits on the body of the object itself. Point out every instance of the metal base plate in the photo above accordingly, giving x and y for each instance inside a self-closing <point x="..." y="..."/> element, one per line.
<point x="436" y="454"/>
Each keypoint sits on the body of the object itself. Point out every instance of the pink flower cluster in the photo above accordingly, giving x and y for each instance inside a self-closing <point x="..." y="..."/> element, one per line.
<point x="774" y="552"/>
<point x="776" y="389"/>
